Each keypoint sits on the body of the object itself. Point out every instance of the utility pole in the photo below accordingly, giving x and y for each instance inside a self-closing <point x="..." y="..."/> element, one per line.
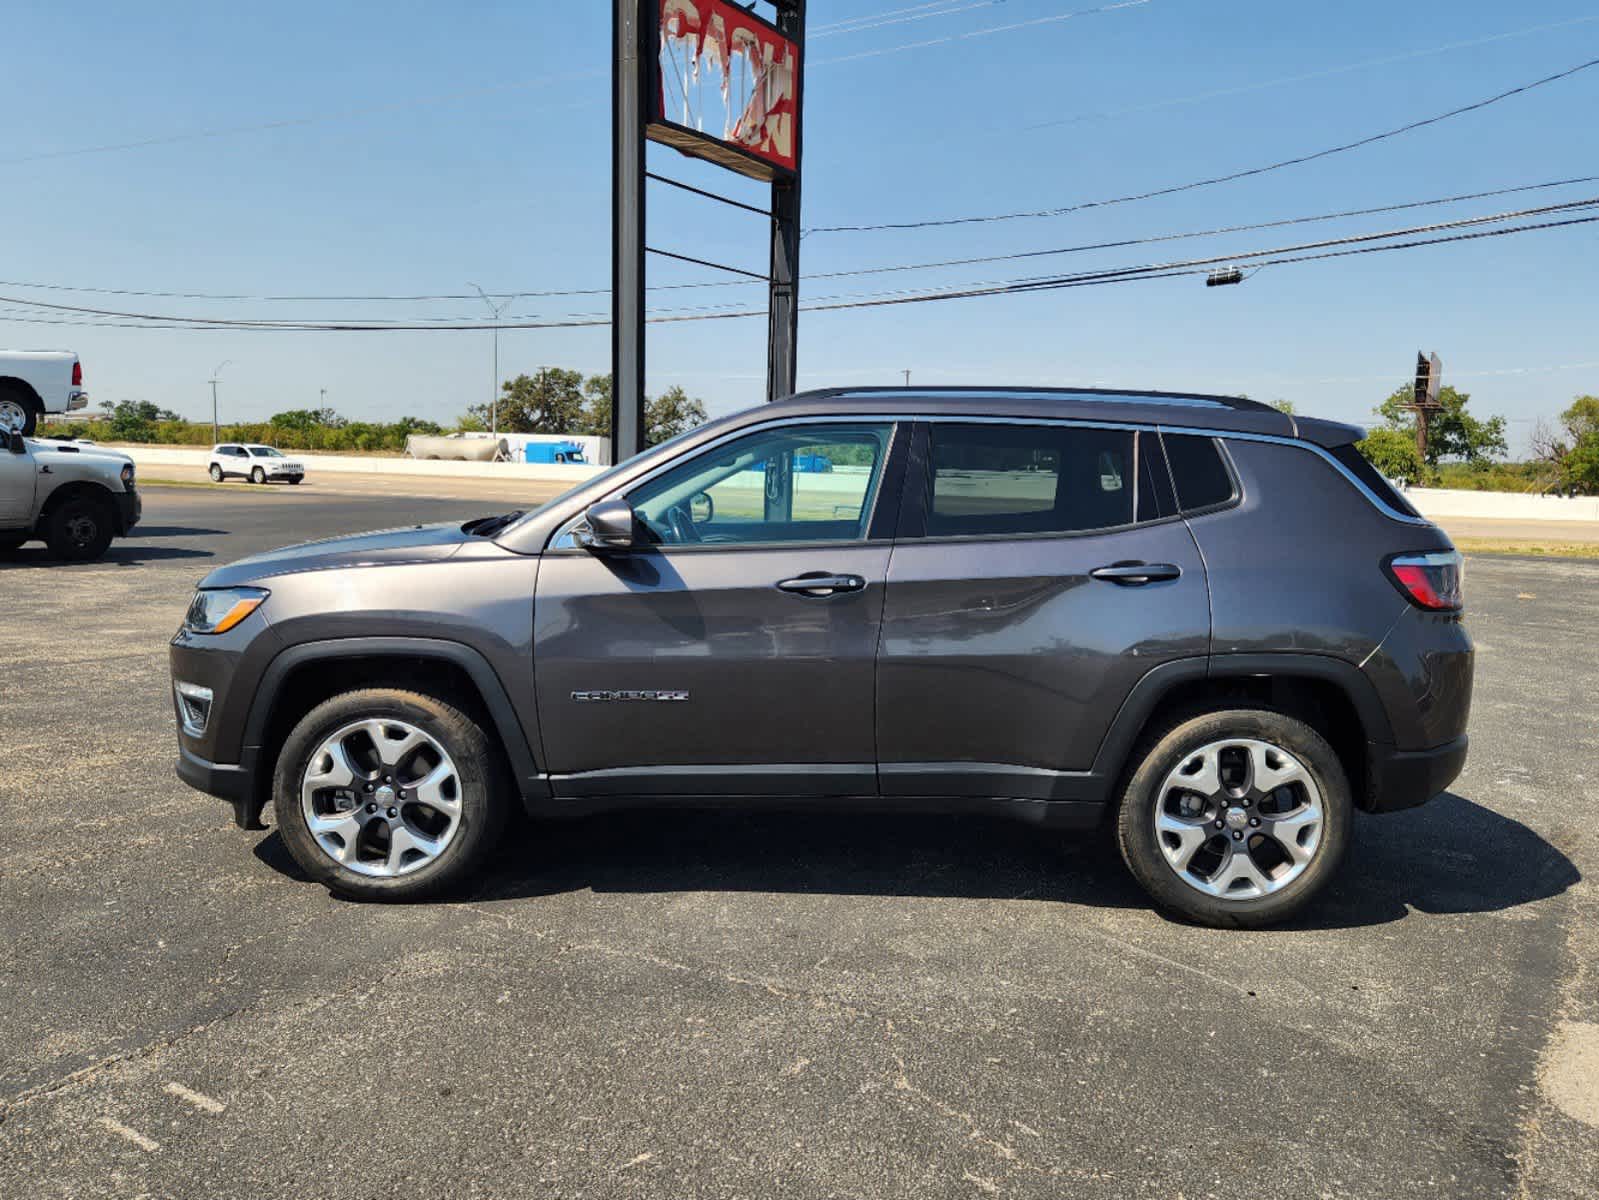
<point x="216" y="434"/>
<point x="907" y="375"/>
<point x="323" y="400"/>
<point x="494" y="399"/>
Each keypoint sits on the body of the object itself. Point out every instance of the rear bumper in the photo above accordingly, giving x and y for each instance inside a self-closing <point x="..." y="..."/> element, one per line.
<point x="76" y="400"/>
<point x="1400" y="779"/>
<point x="233" y="782"/>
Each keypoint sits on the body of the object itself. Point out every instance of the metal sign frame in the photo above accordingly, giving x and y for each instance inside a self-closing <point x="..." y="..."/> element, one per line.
<point x="634" y="120"/>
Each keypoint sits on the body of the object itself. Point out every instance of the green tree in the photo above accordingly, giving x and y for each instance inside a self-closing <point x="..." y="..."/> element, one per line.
<point x="303" y="420"/>
<point x="597" y="411"/>
<point x="549" y="401"/>
<point x="1452" y="432"/>
<point x="135" y="420"/>
<point x="1393" y="452"/>
<point x="1574" y="451"/>
<point x="671" y="413"/>
<point x="1283" y="406"/>
<point x="665" y="416"/>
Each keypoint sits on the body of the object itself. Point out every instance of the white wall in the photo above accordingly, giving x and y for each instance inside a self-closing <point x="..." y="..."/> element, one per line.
<point x="1502" y="506"/>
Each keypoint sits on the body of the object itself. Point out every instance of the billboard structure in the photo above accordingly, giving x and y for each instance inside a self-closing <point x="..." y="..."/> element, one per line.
<point x="719" y="82"/>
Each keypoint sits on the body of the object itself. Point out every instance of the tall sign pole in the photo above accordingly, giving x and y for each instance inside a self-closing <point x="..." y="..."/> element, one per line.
<point x="662" y="51"/>
<point x="630" y="82"/>
<point x="782" y="363"/>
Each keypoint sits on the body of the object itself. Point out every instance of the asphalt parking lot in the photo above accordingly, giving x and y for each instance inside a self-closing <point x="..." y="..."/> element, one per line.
<point x="676" y="1005"/>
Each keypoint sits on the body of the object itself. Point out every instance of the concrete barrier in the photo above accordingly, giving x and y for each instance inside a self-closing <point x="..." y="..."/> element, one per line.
<point x="1430" y="502"/>
<point x="1502" y="506"/>
<point x="188" y="461"/>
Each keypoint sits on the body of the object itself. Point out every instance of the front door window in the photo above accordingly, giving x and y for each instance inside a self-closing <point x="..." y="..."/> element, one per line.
<point x="797" y="483"/>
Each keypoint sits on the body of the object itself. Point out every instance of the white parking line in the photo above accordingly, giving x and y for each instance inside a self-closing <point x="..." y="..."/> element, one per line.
<point x="198" y="1099"/>
<point x="148" y="1145"/>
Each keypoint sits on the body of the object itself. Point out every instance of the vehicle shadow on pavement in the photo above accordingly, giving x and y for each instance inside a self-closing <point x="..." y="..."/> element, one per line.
<point x="162" y="531"/>
<point x="121" y="554"/>
<point x="1451" y="855"/>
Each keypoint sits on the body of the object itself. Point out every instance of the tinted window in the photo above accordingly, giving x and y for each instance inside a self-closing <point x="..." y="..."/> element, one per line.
<point x="999" y="479"/>
<point x="795" y="483"/>
<point x="1198" y="471"/>
<point x="1351" y="457"/>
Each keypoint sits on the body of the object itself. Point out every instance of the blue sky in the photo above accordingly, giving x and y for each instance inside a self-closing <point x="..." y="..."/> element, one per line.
<point x="456" y="143"/>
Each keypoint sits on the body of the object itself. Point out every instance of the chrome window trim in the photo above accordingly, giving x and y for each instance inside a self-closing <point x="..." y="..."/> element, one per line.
<point x="897" y="419"/>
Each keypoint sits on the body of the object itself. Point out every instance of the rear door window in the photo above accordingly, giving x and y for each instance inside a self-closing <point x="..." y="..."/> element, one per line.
<point x="1198" y="471"/>
<point x="991" y="479"/>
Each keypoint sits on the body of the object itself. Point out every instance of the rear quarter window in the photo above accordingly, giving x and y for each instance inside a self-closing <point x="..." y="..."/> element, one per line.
<point x="1356" y="463"/>
<point x="1198" y="472"/>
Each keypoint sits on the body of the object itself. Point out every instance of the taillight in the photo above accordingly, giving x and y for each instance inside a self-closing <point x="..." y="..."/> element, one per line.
<point x="1430" y="581"/>
<point x="77" y="374"/>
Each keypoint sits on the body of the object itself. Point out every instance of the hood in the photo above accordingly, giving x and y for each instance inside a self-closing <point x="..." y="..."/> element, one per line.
<point x="386" y="548"/>
<point x="45" y="450"/>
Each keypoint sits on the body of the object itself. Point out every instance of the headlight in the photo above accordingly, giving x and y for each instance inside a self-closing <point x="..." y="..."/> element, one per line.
<point x="127" y="476"/>
<point x="217" y="610"/>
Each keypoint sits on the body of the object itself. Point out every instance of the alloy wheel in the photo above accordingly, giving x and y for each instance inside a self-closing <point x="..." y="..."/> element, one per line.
<point x="12" y="415"/>
<point x="1239" y="819"/>
<point x="381" y="797"/>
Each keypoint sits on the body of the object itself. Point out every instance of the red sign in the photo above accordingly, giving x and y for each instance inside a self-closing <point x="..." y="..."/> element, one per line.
<point x="749" y="121"/>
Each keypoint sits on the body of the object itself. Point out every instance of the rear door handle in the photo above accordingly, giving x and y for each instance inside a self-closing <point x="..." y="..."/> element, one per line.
<point x="820" y="585"/>
<point x="1136" y="574"/>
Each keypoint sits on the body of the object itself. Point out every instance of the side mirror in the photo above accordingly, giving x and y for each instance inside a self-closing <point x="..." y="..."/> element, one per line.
<point x="15" y="442"/>
<point x="701" y="508"/>
<point x="610" y="526"/>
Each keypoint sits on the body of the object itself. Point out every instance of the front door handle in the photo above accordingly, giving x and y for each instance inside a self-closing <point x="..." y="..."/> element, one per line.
<point x="819" y="584"/>
<point x="1136" y="574"/>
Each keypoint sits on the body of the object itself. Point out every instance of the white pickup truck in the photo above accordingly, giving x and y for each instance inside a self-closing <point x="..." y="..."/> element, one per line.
<point x="73" y="498"/>
<point x="35" y="382"/>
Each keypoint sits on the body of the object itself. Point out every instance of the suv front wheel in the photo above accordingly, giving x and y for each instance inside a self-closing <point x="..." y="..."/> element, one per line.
<point x="384" y="794"/>
<point x="1236" y="818"/>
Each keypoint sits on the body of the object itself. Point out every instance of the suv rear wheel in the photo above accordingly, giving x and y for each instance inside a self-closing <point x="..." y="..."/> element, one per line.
<point x="1235" y="818"/>
<point x="384" y="794"/>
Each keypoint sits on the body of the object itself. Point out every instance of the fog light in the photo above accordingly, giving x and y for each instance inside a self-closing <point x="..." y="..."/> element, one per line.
<point x="194" y="706"/>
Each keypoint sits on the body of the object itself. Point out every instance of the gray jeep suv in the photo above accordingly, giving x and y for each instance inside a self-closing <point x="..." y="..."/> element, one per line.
<point x="1201" y="620"/>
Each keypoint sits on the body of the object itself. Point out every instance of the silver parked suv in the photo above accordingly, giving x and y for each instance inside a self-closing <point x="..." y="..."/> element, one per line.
<point x="1197" y="618"/>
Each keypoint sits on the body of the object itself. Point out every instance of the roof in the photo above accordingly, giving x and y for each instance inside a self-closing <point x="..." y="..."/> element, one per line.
<point x="1194" y="410"/>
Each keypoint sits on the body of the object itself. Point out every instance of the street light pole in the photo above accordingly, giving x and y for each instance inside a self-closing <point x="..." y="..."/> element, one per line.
<point x="215" y="432"/>
<point x="494" y="400"/>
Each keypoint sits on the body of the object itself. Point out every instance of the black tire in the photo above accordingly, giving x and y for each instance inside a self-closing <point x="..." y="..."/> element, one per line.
<point x="216" y="473"/>
<point x="1163" y="751"/>
<point x="257" y="475"/>
<point x="14" y="397"/>
<point x="293" y="479"/>
<point x="79" y="529"/>
<point x="485" y="795"/>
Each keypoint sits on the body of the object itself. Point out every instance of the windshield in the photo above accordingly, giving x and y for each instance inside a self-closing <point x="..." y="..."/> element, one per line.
<point x="264" y="452"/>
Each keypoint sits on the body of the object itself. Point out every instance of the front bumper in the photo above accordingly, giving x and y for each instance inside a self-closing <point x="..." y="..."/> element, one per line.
<point x="130" y="507"/>
<point x="233" y="782"/>
<point x="1400" y="779"/>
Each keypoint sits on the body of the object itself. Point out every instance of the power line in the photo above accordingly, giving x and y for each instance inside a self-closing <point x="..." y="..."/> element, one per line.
<point x="977" y="33"/>
<point x="1305" y="252"/>
<point x="530" y="293"/>
<point x="1212" y="181"/>
<point x="308" y="119"/>
<point x="1325" y="73"/>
